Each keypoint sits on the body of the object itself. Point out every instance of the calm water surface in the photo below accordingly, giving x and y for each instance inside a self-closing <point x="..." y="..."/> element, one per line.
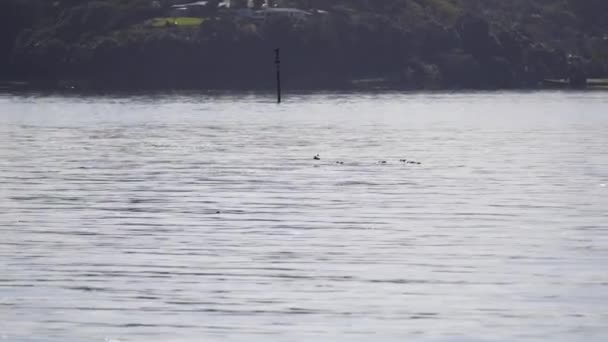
<point x="205" y="218"/>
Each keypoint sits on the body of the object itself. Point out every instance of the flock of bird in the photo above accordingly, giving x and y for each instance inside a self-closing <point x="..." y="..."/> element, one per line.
<point x="403" y="161"/>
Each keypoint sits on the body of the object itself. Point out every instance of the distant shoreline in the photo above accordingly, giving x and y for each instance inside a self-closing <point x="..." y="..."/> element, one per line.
<point x="143" y="46"/>
<point x="66" y="88"/>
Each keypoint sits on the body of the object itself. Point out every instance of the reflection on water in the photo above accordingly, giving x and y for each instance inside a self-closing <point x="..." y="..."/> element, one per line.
<point x="189" y="218"/>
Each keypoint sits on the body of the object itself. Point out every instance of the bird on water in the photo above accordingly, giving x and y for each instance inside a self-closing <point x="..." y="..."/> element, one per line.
<point x="317" y="157"/>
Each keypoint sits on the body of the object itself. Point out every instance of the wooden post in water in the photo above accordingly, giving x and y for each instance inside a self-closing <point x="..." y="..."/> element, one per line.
<point x="277" y="61"/>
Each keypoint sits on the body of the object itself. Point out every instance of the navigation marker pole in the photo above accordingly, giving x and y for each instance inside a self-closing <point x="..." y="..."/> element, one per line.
<point x="277" y="61"/>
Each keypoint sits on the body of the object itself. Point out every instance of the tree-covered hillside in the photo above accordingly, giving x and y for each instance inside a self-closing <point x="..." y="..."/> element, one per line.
<point x="409" y="44"/>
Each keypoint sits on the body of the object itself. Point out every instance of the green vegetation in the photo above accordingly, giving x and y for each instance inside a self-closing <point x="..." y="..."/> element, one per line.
<point x="176" y="21"/>
<point x="408" y="44"/>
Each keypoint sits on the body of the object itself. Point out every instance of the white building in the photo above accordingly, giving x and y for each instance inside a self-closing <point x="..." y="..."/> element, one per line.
<point x="266" y="3"/>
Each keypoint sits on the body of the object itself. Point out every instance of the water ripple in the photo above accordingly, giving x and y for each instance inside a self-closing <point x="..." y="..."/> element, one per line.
<point x="187" y="218"/>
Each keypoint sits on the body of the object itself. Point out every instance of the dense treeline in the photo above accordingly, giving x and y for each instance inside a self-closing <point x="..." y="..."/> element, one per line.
<point x="398" y="43"/>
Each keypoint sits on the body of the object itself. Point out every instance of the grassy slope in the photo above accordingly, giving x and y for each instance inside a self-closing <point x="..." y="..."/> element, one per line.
<point x="177" y="21"/>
